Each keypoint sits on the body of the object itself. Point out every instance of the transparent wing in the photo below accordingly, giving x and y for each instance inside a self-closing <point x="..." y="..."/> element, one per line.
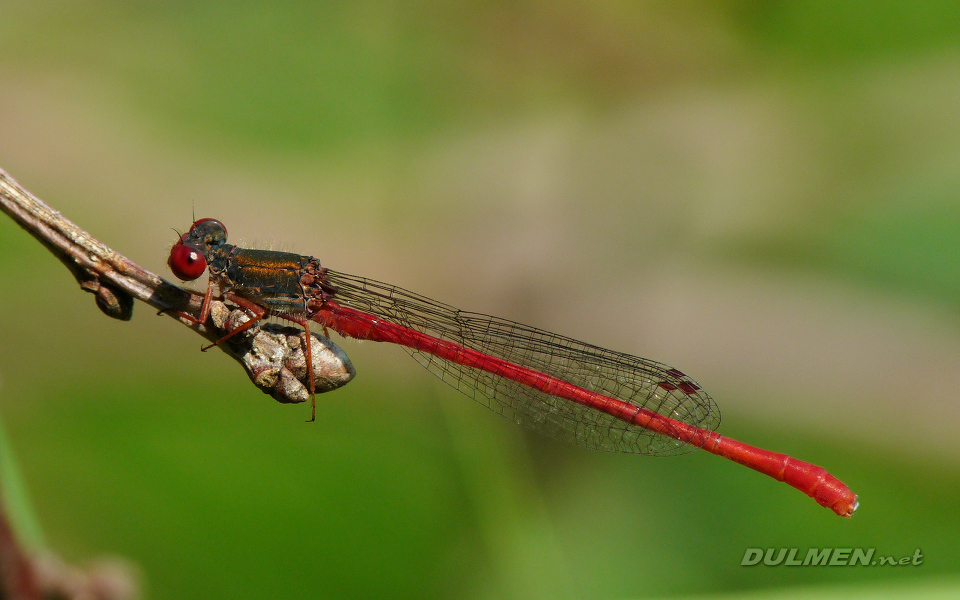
<point x="643" y="383"/>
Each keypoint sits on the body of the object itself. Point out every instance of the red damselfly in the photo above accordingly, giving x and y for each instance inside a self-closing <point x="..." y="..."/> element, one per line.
<point x="553" y="384"/>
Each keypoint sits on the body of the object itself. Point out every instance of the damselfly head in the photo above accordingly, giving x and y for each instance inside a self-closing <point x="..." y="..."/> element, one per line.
<point x="189" y="256"/>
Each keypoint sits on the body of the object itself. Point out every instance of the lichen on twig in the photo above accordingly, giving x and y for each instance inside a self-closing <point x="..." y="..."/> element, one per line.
<point x="271" y="354"/>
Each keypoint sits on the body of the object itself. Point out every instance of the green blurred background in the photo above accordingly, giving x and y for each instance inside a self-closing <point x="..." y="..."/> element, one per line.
<point x="765" y="195"/>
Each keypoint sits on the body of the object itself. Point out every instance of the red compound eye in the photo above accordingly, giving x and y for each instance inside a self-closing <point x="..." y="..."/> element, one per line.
<point x="186" y="263"/>
<point x="211" y="223"/>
